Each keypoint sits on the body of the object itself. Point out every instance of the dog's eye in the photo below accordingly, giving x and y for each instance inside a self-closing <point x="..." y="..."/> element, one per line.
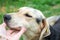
<point x="28" y="15"/>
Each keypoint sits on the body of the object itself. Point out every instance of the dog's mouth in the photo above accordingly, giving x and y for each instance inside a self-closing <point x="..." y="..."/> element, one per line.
<point x="17" y="28"/>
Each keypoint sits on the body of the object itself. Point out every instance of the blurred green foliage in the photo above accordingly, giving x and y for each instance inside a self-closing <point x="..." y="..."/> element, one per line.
<point x="48" y="7"/>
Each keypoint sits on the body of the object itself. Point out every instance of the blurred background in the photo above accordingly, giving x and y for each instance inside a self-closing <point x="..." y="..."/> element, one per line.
<point x="48" y="7"/>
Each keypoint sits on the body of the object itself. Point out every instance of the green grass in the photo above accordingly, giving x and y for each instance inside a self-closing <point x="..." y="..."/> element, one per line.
<point x="48" y="7"/>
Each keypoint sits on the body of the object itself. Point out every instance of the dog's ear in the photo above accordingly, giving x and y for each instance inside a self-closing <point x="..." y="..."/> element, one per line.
<point x="44" y="22"/>
<point x="45" y="29"/>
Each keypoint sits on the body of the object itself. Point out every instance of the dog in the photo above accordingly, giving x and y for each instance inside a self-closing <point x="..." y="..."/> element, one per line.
<point x="33" y="20"/>
<point x="54" y="29"/>
<point x="52" y="20"/>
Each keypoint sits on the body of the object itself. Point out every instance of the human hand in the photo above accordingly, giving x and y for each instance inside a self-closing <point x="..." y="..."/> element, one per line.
<point x="11" y="34"/>
<point x="15" y="35"/>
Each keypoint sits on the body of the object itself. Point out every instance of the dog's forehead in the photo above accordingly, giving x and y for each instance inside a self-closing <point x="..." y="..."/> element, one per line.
<point x="31" y="11"/>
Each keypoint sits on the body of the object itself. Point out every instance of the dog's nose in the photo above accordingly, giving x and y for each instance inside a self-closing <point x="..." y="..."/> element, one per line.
<point x="7" y="17"/>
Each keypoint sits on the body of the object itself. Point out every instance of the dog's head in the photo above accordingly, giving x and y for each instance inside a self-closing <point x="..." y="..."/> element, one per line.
<point x="30" y="18"/>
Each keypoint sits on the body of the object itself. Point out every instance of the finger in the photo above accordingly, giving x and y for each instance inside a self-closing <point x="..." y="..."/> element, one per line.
<point x="18" y="35"/>
<point x="9" y="32"/>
